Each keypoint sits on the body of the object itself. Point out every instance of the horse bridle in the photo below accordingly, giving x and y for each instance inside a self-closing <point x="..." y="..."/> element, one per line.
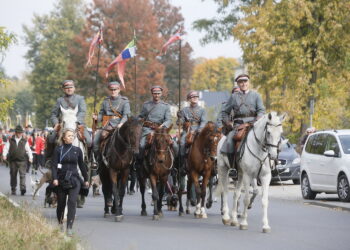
<point x="165" y="150"/>
<point x="266" y="145"/>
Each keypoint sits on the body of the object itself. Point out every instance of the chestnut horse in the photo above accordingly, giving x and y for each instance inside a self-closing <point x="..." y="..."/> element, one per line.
<point x="157" y="164"/>
<point x="122" y="146"/>
<point x="201" y="162"/>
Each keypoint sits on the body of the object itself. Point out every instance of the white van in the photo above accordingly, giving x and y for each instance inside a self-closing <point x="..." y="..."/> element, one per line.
<point x="325" y="164"/>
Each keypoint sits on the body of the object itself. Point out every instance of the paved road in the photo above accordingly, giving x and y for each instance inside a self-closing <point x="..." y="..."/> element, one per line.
<point x="295" y="224"/>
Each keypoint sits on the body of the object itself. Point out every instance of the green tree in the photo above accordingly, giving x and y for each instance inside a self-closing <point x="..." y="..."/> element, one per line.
<point x="214" y="74"/>
<point x="48" y="55"/>
<point x="6" y="39"/>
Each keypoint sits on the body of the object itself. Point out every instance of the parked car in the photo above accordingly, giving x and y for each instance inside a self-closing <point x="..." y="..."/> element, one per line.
<point x="325" y="164"/>
<point x="288" y="165"/>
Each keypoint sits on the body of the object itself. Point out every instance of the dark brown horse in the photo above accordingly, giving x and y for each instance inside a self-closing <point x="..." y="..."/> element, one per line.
<point x="123" y="145"/>
<point x="201" y="162"/>
<point x="156" y="166"/>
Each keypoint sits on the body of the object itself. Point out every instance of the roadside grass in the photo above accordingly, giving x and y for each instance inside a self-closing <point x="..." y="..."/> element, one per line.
<point x="22" y="230"/>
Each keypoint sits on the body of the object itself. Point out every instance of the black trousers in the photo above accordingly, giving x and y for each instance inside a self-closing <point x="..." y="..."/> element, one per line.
<point x="72" y="203"/>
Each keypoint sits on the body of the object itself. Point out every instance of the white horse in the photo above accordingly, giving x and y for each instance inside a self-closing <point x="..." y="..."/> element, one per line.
<point x="259" y="150"/>
<point x="69" y="120"/>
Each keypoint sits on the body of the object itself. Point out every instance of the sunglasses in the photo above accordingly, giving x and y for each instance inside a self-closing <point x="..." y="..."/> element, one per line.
<point x="240" y="81"/>
<point x="113" y="89"/>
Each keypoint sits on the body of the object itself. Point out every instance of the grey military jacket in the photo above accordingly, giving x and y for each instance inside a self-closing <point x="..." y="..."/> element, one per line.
<point x="119" y="104"/>
<point x="69" y="102"/>
<point x="156" y="112"/>
<point x="195" y="115"/>
<point x="244" y="106"/>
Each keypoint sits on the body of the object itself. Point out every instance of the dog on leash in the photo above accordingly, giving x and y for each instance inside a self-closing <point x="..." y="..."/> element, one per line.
<point x="50" y="195"/>
<point x="172" y="199"/>
<point x="34" y="185"/>
<point x="96" y="183"/>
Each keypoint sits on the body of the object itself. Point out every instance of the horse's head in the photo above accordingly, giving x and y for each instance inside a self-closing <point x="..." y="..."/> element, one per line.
<point x="132" y="130"/>
<point x="212" y="135"/>
<point x="273" y="133"/>
<point x="161" y="142"/>
<point x="69" y="117"/>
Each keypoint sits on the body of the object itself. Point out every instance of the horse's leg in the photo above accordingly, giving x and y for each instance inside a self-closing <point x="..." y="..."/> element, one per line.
<point x="265" y="183"/>
<point x="222" y="188"/>
<point x="246" y="183"/>
<point x="122" y="183"/>
<point x="115" y="188"/>
<point x="236" y="197"/>
<point x="106" y="190"/>
<point x="194" y="177"/>
<point x="161" y="189"/>
<point x="255" y="192"/>
<point x="189" y="192"/>
<point x="210" y="197"/>
<point x="155" y="196"/>
<point x="205" y="181"/>
<point x="142" y="183"/>
<point x="181" y="184"/>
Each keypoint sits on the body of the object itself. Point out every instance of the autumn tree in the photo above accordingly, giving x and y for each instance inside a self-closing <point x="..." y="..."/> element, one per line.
<point x="214" y="74"/>
<point x="296" y="52"/>
<point x="120" y="19"/>
<point x="48" y="56"/>
<point x="170" y="20"/>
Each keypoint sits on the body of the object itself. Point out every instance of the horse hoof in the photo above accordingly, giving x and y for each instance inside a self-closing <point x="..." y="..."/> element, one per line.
<point x="204" y="216"/>
<point x="208" y="205"/>
<point x="181" y="213"/>
<point x="160" y="214"/>
<point x="143" y="213"/>
<point x="197" y="216"/>
<point x="250" y="206"/>
<point x="226" y="222"/>
<point x="243" y="227"/>
<point x="266" y="230"/>
<point x="119" y="218"/>
<point x="156" y="217"/>
<point x="188" y="211"/>
<point x="234" y="224"/>
<point x="106" y="215"/>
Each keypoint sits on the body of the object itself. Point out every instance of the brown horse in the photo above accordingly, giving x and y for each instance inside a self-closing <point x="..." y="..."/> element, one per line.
<point x="157" y="165"/>
<point x="122" y="147"/>
<point x="201" y="162"/>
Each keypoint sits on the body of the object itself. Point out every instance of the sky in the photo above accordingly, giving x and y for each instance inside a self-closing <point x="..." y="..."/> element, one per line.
<point x="15" y="13"/>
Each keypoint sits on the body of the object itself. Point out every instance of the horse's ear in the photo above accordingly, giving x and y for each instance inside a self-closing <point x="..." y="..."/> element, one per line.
<point x="269" y="116"/>
<point x="168" y="129"/>
<point x="283" y="116"/>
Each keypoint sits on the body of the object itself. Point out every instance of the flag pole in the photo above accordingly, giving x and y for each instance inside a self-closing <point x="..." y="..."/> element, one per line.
<point x="179" y="128"/>
<point x="135" y="85"/>
<point x="94" y="122"/>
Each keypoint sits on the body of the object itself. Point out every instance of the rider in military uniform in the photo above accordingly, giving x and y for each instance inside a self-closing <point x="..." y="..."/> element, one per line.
<point x="156" y="114"/>
<point x="193" y="116"/>
<point x="113" y="114"/>
<point x="70" y="101"/>
<point x="247" y="106"/>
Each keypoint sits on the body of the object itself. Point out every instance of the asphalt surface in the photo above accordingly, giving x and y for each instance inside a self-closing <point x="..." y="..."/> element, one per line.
<point x="295" y="223"/>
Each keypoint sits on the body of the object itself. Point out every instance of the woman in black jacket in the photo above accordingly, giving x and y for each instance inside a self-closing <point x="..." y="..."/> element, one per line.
<point x="66" y="176"/>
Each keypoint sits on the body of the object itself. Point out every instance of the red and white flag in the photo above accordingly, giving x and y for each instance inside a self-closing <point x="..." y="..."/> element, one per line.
<point x="171" y="40"/>
<point x="98" y="39"/>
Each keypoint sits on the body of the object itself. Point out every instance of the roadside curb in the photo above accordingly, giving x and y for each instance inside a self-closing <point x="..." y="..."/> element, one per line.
<point x="331" y="206"/>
